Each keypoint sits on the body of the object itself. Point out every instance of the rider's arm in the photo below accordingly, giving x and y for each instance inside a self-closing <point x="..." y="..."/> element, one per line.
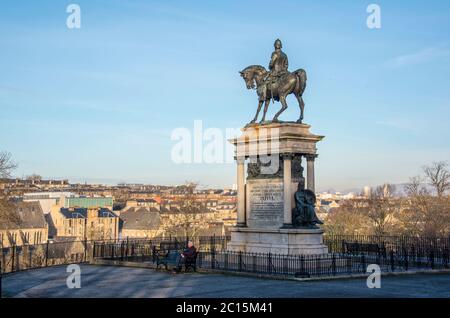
<point x="272" y="60"/>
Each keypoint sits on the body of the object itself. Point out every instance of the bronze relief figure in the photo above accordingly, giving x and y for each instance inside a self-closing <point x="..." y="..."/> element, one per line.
<point x="304" y="213"/>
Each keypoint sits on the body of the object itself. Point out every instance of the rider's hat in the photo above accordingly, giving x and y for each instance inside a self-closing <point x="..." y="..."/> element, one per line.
<point x="277" y="41"/>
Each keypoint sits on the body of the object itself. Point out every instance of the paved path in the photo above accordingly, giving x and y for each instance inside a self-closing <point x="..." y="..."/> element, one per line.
<point x="110" y="281"/>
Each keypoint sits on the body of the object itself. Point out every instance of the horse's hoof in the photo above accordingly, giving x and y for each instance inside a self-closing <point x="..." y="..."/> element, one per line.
<point x="299" y="121"/>
<point x="275" y="120"/>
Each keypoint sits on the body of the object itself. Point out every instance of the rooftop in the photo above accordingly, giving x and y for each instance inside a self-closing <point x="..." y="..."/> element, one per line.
<point x="142" y="218"/>
<point x="76" y="213"/>
<point x="30" y="216"/>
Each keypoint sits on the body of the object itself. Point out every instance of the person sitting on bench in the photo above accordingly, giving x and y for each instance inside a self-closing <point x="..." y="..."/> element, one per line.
<point x="189" y="252"/>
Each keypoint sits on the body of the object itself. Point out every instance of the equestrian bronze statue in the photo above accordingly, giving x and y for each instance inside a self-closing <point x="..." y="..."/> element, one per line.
<point x="275" y="84"/>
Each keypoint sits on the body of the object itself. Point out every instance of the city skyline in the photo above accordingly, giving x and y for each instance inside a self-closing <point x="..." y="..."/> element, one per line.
<point x="92" y="104"/>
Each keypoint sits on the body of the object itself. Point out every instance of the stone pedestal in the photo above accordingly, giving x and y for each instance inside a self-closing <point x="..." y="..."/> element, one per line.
<point x="273" y="156"/>
<point x="277" y="241"/>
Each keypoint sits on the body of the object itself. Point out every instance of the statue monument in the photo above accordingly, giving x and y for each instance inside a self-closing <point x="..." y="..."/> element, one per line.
<point x="276" y="214"/>
<point x="276" y="84"/>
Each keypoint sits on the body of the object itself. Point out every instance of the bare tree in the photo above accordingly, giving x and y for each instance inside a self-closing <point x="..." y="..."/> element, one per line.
<point x="381" y="209"/>
<point x="7" y="212"/>
<point x="415" y="207"/>
<point x="7" y="165"/>
<point x="417" y="214"/>
<point x="34" y="177"/>
<point x="347" y="219"/>
<point x="423" y="214"/>
<point x="438" y="176"/>
<point x="190" y="220"/>
<point x="415" y="187"/>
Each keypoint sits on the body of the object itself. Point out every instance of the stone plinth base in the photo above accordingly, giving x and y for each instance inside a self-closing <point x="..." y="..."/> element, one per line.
<point x="277" y="241"/>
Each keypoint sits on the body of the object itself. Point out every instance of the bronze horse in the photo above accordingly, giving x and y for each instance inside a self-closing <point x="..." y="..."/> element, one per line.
<point x="289" y="83"/>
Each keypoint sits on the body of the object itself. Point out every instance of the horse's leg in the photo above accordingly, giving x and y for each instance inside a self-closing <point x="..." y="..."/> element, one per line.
<point x="266" y="107"/>
<point x="301" y="104"/>
<point x="257" y="112"/>
<point x="283" y="108"/>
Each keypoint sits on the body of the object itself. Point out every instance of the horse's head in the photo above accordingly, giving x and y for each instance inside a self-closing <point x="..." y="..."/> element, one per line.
<point x="248" y="78"/>
<point x="252" y="74"/>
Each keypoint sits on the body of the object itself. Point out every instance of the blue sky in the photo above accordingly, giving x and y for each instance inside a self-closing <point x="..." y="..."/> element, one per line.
<point x="99" y="103"/>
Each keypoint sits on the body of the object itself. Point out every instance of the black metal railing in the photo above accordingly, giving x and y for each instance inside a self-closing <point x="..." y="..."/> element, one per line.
<point x="17" y="258"/>
<point x="347" y="254"/>
<point x="326" y="265"/>
<point x="416" y="246"/>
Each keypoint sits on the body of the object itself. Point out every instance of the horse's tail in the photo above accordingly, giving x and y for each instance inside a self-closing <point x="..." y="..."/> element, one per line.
<point x="301" y="74"/>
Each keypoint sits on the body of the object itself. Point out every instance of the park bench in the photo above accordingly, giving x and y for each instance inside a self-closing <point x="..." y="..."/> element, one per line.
<point x="364" y="248"/>
<point x="167" y="253"/>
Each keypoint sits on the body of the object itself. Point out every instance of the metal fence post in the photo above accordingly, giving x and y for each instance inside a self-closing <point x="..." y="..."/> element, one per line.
<point x="112" y="250"/>
<point x="445" y="258"/>
<point x="392" y="260"/>
<point x="200" y="259"/>
<point x="348" y="263"/>
<point x="212" y="243"/>
<point x="85" y="249"/>
<point x="363" y="263"/>
<point x="213" y="259"/>
<point x="46" y="253"/>
<point x="30" y="256"/>
<point x="333" y="264"/>
<point x="302" y="265"/>
<point x="1" y="275"/>
<point x="225" y="262"/>
<point x="432" y="259"/>
<point x="240" y="260"/>
<point x="269" y="263"/>
<point x="405" y="259"/>
<point x="13" y="260"/>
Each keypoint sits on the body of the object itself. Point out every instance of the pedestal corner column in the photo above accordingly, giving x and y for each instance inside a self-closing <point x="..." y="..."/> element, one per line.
<point x="287" y="195"/>
<point x="241" y="216"/>
<point x="310" y="183"/>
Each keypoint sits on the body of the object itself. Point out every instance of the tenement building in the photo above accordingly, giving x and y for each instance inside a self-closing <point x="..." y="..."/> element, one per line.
<point x="30" y="226"/>
<point x="140" y="222"/>
<point x="94" y="223"/>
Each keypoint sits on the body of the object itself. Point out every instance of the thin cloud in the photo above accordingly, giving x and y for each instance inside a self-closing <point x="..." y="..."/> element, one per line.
<point x="422" y="56"/>
<point x="396" y="123"/>
<point x="13" y="90"/>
